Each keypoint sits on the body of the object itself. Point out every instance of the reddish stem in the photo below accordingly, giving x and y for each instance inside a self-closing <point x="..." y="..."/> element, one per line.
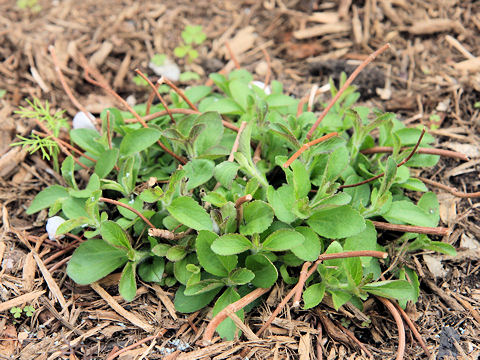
<point x="306" y="146"/>
<point x="238" y="205"/>
<point x="269" y="68"/>
<point x="64" y="143"/>
<point x="441" y="231"/>
<point x="234" y="307"/>
<point x="382" y="174"/>
<point x="180" y="93"/>
<point x="301" y="282"/>
<point x="430" y="151"/>
<point x="155" y="90"/>
<point x="118" y="203"/>
<point x="401" y="328"/>
<point x="232" y="55"/>
<point x="449" y="189"/>
<point x="414" y="330"/>
<point x="345" y="86"/>
<point x="138" y="343"/>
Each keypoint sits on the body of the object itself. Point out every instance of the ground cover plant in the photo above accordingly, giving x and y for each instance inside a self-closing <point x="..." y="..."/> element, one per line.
<point x="234" y="187"/>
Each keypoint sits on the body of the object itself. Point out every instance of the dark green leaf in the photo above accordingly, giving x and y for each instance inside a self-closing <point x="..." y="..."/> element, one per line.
<point x="152" y="269"/>
<point x="85" y="138"/>
<point x="176" y="253"/>
<point x="391" y="289"/>
<point x="210" y="261"/>
<point x="241" y="276"/>
<point x="211" y="135"/>
<point x="203" y="286"/>
<point x="227" y="328"/>
<point x="106" y="162"/>
<point x="198" y="171"/>
<point x="190" y="304"/>
<point x="93" y="260"/>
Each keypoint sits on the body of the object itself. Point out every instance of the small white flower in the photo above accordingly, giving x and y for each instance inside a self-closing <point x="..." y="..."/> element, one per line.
<point x="261" y="85"/>
<point x="169" y="69"/>
<point x="82" y="121"/>
<point x="52" y="225"/>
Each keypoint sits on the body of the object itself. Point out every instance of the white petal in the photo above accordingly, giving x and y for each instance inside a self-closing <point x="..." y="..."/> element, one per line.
<point x="82" y="121"/>
<point x="169" y="69"/>
<point x="52" y="225"/>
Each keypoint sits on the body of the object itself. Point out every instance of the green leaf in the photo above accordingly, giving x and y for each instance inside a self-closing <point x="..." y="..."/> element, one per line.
<point x="85" y="138"/>
<point x="106" y="162"/>
<point x="198" y="171"/>
<point x="339" y="298"/>
<point x="74" y="208"/>
<point x="225" y="106"/>
<point x="152" y="269"/>
<point x="231" y="244"/>
<point x="176" y="253"/>
<point x="301" y="179"/>
<point x="365" y="240"/>
<point x="313" y="295"/>
<point x="92" y="186"/>
<point x="68" y="171"/>
<point x="391" y="289"/>
<point x="257" y="216"/>
<point x="240" y="91"/>
<point x="265" y="272"/>
<point x="113" y="234"/>
<point x="189" y="304"/>
<point x="227" y="328"/>
<point x="282" y="240"/>
<point x="338" y="222"/>
<point x="310" y="249"/>
<point x="151" y="195"/>
<point x="211" y="134"/>
<point x="139" y="140"/>
<point x="429" y="203"/>
<point x="47" y="198"/>
<point x="71" y="224"/>
<point x="225" y="172"/>
<point x="210" y="261"/>
<point x="405" y="212"/>
<point x="188" y="212"/>
<point x="93" y="260"/>
<point x="203" y="286"/>
<point x="282" y="201"/>
<point x="127" y="285"/>
<point x="241" y="276"/>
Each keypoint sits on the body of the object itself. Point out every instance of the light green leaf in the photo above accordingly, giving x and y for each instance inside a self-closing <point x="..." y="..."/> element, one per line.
<point x="127" y="286"/>
<point x="93" y="260"/>
<point x="406" y="212"/>
<point x="176" y="253"/>
<point x="231" y="244"/>
<point x="113" y="234"/>
<point x="139" y="140"/>
<point x="225" y="172"/>
<point x="282" y="201"/>
<point x="391" y="289"/>
<point x="152" y="269"/>
<point x="198" y="171"/>
<point x="301" y="179"/>
<point x="85" y="138"/>
<point x="429" y="203"/>
<point x="47" y="198"/>
<point x="211" y="134"/>
<point x="106" y="162"/>
<point x="282" y="240"/>
<point x="189" y="304"/>
<point x="338" y="222"/>
<point x="265" y="272"/>
<point x="257" y="216"/>
<point x="188" y="212"/>
<point x="310" y="249"/>
<point x="208" y="259"/>
<point x="203" y="286"/>
<point x="313" y="295"/>
<point x="241" y="276"/>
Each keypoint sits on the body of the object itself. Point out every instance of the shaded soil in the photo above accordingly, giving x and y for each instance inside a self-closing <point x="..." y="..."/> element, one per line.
<point x="431" y="76"/>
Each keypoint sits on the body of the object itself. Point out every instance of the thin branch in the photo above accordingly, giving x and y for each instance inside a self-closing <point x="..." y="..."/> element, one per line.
<point x="234" y="307"/>
<point x="155" y="90"/>
<point x="238" y="206"/>
<point x="306" y="146"/>
<point x="441" y="231"/>
<point x="429" y="151"/>
<point x="138" y="343"/>
<point x="163" y="113"/>
<point x="450" y="189"/>
<point x="401" y="328"/>
<point x="269" y="69"/>
<point x="382" y="174"/>
<point x="345" y="86"/>
<point x="232" y="55"/>
<point x="179" y="92"/>
<point x="66" y="88"/>
<point x="319" y="341"/>
<point x="301" y="282"/>
<point x="236" y="144"/>
<point x="138" y="213"/>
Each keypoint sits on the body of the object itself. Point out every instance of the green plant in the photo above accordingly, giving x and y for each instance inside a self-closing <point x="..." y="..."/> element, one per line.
<point x="192" y="35"/>
<point x="17" y="311"/>
<point x="242" y="212"/>
<point x="2" y="93"/>
<point x="32" y="5"/>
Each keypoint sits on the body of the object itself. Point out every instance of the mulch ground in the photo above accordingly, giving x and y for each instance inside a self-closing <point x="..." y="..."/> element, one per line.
<point x="430" y="76"/>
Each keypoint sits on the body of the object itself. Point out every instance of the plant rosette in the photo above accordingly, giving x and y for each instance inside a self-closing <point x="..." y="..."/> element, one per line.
<point x="232" y="218"/>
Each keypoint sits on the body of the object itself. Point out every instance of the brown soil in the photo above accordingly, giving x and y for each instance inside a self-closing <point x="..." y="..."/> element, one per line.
<point x="433" y="67"/>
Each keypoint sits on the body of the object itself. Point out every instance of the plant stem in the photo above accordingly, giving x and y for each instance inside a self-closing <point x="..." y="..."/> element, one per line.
<point x="306" y="146"/>
<point x="441" y="231"/>
<point x="239" y="207"/>
<point x="179" y="92"/>
<point x="382" y="174"/>
<point x="232" y="55"/>
<point x="400" y="326"/>
<point x="345" y="86"/>
<point x="269" y="68"/>
<point x="138" y="213"/>
<point x="450" y="189"/>
<point x="430" y="151"/>
<point x="234" y="307"/>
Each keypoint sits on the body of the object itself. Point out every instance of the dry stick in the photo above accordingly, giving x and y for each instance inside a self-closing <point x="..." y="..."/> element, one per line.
<point x="311" y="98"/>
<point x="239" y="207"/>
<point x="306" y="146"/>
<point x="61" y="252"/>
<point x="138" y="343"/>
<point x="179" y="92"/>
<point x="269" y="69"/>
<point x="413" y="328"/>
<point x="155" y="90"/>
<point x="400" y="326"/>
<point x="65" y="86"/>
<point x="382" y="174"/>
<point x="301" y="280"/>
<point x="313" y="268"/>
<point x="59" y="264"/>
<point x="345" y="86"/>
<point x="232" y="55"/>
<point x="352" y="336"/>
<point x="430" y="151"/>
<point x="118" y="203"/>
<point x="58" y="141"/>
<point x="108" y="89"/>
<point x="319" y="341"/>
<point x="234" y="307"/>
<point x="441" y="231"/>
<point x="449" y="189"/>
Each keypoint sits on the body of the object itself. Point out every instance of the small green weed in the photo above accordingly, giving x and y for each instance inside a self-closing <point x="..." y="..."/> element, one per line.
<point x="192" y="35"/>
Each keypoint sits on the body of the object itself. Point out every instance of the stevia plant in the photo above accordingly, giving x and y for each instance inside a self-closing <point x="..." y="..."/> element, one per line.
<point x="207" y="198"/>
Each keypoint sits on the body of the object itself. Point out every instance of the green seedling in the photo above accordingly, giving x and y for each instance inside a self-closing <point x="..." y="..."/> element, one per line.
<point x="31" y="5"/>
<point x="192" y="35"/>
<point x="264" y="187"/>
<point x="16" y="312"/>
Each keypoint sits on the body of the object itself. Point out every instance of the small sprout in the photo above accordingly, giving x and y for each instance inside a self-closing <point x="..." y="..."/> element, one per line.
<point x="189" y="76"/>
<point x="158" y="59"/>
<point x="2" y="93"/>
<point x="139" y="81"/>
<point x="191" y="35"/>
<point x="52" y="225"/>
<point x="29" y="310"/>
<point x="477" y="105"/>
<point x="16" y="311"/>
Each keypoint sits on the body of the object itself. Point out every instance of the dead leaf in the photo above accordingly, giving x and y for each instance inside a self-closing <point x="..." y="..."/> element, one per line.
<point x="8" y="341"/>
<point x="304" y="347"/>
<point x="434" y="265"/>
<point x="467" y="242"/>
<point x="472" y="151"/>
<point x="243" y="40"/>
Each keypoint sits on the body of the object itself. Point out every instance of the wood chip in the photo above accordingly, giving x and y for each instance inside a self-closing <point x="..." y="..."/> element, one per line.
<point x="10" y="160"/>
<point x="304" y="347"/>
<point x="101" y="54"/>
<point x="432" y="26"/>
<point x="134" y="319"/>
<point x="206" y="352"/>
<point x="20" y="300"/>
<point x="162" y="295"/>
<point x="320" y="30"/>
<point x="324" y="17"/>
<point x="243" y="40"/>
<point x="470" y="65"/>
<point x="28" y="273"/>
